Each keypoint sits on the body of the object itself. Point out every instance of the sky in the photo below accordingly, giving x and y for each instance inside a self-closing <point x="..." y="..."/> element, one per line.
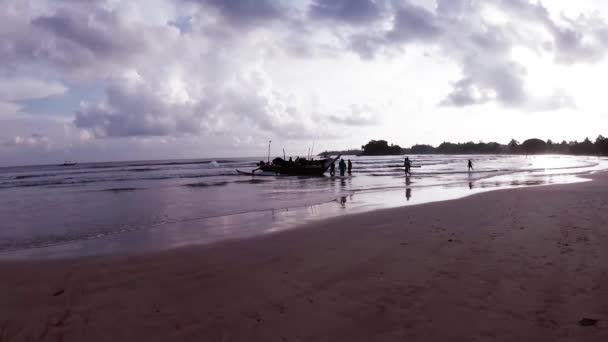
<point x="105" y="80"/>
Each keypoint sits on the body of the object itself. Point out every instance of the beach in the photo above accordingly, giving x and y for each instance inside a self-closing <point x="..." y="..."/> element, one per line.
<point x="52" y="211"/>
<point x="518" y="264"/>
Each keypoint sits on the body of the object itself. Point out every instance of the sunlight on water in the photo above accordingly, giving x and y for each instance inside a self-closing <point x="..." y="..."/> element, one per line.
<point x="134" y="206"/>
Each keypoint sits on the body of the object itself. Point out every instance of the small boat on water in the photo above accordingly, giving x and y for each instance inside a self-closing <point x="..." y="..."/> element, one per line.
<point x="298" y="167"/>
<point x="68" y="164"/>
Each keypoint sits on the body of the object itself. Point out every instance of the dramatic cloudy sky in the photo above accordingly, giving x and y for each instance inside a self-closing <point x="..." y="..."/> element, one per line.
<point x="151" y="79"/>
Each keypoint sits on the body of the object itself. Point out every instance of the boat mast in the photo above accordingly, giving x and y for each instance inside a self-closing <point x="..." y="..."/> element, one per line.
<point x="269" y="141"/>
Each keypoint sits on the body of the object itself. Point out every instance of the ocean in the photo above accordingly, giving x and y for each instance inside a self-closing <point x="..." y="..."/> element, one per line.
<point x="126" y="207"/>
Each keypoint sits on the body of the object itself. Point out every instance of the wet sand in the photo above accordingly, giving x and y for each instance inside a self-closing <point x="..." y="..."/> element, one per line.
<point x="522" y="264"/>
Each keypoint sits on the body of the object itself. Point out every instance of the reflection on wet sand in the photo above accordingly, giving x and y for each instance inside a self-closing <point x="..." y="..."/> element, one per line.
<point x="408" y="190"/>
<point x="203" y="231"/>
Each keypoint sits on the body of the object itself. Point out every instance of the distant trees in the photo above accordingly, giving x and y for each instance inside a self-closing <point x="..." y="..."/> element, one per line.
<point x="533" y="146"/>
<point x="469" y="147"/>
<point x="530" y="146"/>
<point x="421" y="149"/>
<point x="513" y="146"/>
<point x="379" y="148"/>
<point x="601" y="145"/>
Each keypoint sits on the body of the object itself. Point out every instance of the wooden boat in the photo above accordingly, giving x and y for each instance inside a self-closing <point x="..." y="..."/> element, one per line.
<point x="298" y="167"/>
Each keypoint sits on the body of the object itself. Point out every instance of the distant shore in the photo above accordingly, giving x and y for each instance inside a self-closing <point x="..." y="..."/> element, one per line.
<point x="523" y="264"/>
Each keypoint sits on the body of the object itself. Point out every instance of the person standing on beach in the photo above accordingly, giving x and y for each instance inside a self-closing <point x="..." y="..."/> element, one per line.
<point x="407" y="164"/>
<point x="470" y="165"/>
<point x="342" y="167"/>
<point x="332" y="169"/>
<point x="350" y="167"/>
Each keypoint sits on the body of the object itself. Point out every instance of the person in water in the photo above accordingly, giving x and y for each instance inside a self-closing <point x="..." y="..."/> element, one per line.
<point x="470" y="165"/>
<point x="342" y="167"/>
<point x="350" y="167"/>
<point x="332" y="169"/>
<point x="407" y="164"/>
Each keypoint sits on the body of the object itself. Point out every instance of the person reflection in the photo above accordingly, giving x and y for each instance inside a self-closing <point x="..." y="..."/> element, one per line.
<point x="343" y="201"/>
<point x="408" y="190"/>
<point x="470" y="185"/>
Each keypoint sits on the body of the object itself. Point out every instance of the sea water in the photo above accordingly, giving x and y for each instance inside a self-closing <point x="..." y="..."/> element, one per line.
<point x="129" y="207"/>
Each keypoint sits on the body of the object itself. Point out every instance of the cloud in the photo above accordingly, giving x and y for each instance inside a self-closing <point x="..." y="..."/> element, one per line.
<point x="23" y="88"/>
<point x="360" y="115"/>
<point x="84" y="39"/>
<point x="354" y="12"/>
<point x="135" y="108"/>
<point x="32" y="141"/>
<point x="243" y="14"/>
<point x="8" y="110"/>
<point x="413" y="23"/>
<point x="240" y="70"/>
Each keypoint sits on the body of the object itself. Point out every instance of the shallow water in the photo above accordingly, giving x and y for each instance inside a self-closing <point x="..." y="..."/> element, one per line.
<point x="90" y="209"/>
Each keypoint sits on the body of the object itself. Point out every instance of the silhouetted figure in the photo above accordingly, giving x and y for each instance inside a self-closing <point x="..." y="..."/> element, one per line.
<point x="350" y="167"/>
<point x="290" y="160"/>
<point x="408" y="194"/>
<point x="332" y="169"/>
<point x="470" y="165"/>
<point x="342" y="166"/>
<point x="407" y="164"/>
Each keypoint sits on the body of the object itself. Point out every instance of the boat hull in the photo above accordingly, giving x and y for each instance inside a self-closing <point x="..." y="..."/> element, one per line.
<point x="312" y="168"/>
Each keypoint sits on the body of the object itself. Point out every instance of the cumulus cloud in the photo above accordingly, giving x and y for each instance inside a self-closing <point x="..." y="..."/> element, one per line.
<point x="23" y="88"/>
<point x="32" y="141"/>
<point x="134" y="108"/>
<point x="245" y="12"/>
<point x="359" y="115"/>
<point x="348" y="11"/>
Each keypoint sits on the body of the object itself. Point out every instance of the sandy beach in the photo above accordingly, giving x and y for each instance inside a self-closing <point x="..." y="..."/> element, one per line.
<point x="522" y="264"/>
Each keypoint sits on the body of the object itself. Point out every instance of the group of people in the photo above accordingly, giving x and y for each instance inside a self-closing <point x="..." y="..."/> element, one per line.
<point x="407" y="165"/>
<point x="343" y="166"/>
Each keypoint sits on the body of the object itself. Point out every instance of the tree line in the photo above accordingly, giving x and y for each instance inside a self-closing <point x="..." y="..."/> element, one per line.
<point x="530" y="146"/>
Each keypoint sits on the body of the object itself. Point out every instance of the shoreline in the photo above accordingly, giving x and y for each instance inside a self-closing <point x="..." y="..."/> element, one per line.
<point x="502" y="265"/>
<point x="211" y="230"/>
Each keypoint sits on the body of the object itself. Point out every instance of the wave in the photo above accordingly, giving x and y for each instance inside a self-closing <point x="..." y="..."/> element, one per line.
<point x="29" y="176"/>
<point x="205" y="184"/>
<point x="120" y="189"/>
<point x="253" y="181"/>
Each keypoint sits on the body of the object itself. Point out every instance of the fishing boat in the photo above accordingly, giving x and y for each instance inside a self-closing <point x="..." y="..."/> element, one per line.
<point x="298" y="167"/>
<point x="67" y="163"/>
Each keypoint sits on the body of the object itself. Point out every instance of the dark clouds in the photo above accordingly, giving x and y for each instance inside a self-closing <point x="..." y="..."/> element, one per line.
<point x="354" y="12"/>
<point x="245" y="13"/>
<point x="413" y="23"/>
<point x="77" y="37"/>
